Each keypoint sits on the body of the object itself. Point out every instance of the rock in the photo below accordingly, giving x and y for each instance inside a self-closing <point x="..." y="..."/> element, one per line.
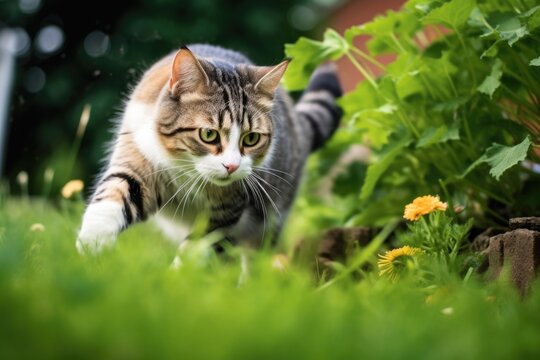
<point x="495" y="256"/>
<point x="531" y="223"/>
<point x="518" y="249"/>
<point x="481" y="242"/>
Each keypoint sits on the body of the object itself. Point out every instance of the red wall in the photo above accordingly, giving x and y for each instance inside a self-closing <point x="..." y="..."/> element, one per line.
<point x="356" y="12"/>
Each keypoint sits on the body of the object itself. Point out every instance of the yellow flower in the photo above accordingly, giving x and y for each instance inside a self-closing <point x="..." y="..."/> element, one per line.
<point x="71" y="188"/>
<point x="423" y="205"/>
<point x="390" y="264"/>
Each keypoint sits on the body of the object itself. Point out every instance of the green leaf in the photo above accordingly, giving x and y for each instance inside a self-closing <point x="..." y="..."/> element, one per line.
<point x="433" y="135"/>
<point x="535" y="62"/>
<point x="404" y="71"/>
<point x="533" y="21"/>
<point x="379" y="123"/>
<point x="501" y="26"/>
<point x="492" y="51"/>
<point x="453" y="14"/>
<point x="512" y="30"/>
<point x="376" y="169"/>
<point x="501" y="157"/>
<point x="361" y="98"/>
<point x="388" y="32"/>
<point x="307" y="54"/>
<point x="493" y="80"/>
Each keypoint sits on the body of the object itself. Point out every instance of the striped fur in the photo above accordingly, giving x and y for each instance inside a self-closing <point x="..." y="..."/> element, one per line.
<point x="161" y="165"/>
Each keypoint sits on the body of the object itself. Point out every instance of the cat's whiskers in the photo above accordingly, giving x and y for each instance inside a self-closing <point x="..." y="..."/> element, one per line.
<point x="175" y="194"/>
<point x="258" y="201"/>
<point x="267" y="195"/>
<point x="269" y="172"/>
<point x="190" y="182"/>
<point x="276" y="190"/>
<point x="180" y="174"/>
<point x="201" y="187"/>
<point x="186" y="196"/>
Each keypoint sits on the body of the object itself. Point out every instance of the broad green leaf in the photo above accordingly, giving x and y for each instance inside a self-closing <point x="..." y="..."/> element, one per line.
<point x="420" y="6"/>
<point x="533" y="22"/>
<point x="512" y="30"/>
<point x="433" y="135"/>
<point x="453" y="14"/>
<point x="361" y="98"/>
<point x="478" y="20"/>
<point x="404" y="71"/>
<point x="377" y="169"/>
<point x="351" y="33"/>
<point x="307" y="54"/>
<point x="492" y="51"/>
<point x="389" y="32"/>
<point x="437" y="75"/>
<point x="378" y="123"/>
<point x="493" y="80"/>
<point x="535" y="62"/>
<point x="502" y="26"/>
<point x="501" y="157"/>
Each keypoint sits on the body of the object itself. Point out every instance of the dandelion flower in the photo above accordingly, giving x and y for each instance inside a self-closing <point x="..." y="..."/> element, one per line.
<point x="423" y="205"/>
<point x="71" y="188"/>
<point x="37" y="227"/>
<point x="391" y="262"/>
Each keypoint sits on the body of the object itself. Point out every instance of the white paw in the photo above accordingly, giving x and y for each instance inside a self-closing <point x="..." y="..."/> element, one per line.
<point x="101" y="224"/>
<point x="94" y="245"/>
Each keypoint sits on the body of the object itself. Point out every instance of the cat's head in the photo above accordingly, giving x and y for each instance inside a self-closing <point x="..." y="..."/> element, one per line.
<point x="217" y="117"/>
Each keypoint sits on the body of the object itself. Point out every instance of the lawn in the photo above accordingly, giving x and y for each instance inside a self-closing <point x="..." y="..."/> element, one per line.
<point x="129" y="303"/>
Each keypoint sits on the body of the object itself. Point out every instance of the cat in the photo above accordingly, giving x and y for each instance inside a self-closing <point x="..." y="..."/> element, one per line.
<point x="207" y="132"/>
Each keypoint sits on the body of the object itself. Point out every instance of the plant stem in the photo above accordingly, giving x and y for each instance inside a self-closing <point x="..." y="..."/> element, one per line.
<point x="362" y="71"/>
<point x="368" y="58"/>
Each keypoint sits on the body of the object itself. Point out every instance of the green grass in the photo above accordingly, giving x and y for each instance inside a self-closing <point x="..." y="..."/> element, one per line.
<point x="128" y="303"/>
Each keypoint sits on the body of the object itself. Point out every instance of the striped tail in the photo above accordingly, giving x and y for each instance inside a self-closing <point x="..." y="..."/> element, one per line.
<point x="318" y="106"/>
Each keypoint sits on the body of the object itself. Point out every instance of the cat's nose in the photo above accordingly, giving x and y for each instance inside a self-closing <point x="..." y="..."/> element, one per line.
<point x="230" y="167"/>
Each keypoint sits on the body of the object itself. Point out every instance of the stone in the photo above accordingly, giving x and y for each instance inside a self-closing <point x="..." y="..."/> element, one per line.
<point x="531" y="223"/>
<point x="481" y="242"/>
<point x="495" y="256"/>
<point x="519" y="250"/>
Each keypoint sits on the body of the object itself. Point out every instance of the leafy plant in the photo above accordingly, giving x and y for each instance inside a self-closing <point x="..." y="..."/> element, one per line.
<point x="453" y="116"/>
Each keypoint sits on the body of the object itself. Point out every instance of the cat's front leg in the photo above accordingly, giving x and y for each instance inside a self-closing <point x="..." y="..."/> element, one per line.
<point x="118" y="201"/>
<point x="102" y="221"/>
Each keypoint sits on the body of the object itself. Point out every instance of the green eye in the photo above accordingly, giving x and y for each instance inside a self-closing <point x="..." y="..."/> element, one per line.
<point x="251" y="139"/>
<point x="209" y="136"/>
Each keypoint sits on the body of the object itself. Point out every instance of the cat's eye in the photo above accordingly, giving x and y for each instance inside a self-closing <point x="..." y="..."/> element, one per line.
<point x="209" y="136"/>
<point x="251" y="139"/>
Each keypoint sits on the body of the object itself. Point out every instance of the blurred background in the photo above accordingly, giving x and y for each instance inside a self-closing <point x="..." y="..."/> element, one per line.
<point x="58" y="57"/>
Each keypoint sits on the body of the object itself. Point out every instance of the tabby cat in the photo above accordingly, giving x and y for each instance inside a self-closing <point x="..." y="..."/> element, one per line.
<point x="207" y="132"/>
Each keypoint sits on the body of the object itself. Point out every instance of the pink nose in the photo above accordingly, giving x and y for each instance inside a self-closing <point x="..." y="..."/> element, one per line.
<point x="230" y="167"/>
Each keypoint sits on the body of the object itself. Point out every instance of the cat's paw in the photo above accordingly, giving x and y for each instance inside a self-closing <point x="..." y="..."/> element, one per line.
<point x="94" y="245"/>
<point x="102" y="222"/>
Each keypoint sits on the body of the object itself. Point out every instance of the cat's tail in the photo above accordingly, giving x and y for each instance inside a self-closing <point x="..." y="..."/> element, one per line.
<point x="318" y="107"/>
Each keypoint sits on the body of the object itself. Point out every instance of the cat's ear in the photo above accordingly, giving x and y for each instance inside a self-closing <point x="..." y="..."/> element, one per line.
<point x="267" y="78"/>
<point x="187" y="73"/>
